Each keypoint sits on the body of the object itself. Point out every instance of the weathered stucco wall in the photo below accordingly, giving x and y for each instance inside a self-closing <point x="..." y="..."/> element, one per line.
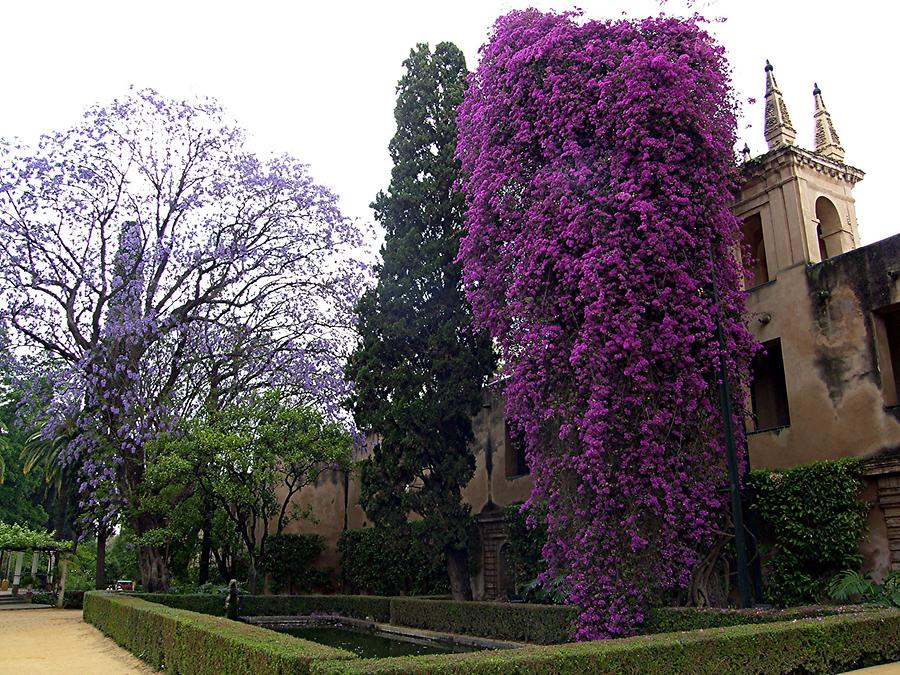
<point x="824" y="316"/>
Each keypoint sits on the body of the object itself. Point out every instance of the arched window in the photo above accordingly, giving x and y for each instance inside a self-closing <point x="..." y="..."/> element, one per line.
<point x="752" y="236"/>
<point x="829" y="229"/>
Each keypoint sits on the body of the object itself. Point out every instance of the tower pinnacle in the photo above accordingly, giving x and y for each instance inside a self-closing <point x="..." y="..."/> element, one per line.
<point x="827" y="141"/>
<point x="778" y="127"/>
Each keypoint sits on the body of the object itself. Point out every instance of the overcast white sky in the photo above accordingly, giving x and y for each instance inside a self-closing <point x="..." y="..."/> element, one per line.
<point x="317" y="80"/>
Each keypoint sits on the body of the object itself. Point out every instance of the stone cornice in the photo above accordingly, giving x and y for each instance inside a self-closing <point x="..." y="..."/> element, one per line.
<point x="786" y="154"/>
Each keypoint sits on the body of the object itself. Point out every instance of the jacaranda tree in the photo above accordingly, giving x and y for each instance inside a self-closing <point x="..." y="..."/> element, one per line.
<point x="420" y="368"/>
<point x="159" y="268"/>
<point x="598" y="163"/>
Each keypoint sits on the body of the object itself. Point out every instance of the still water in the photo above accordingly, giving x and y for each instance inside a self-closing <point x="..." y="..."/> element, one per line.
<point x="370" y="645"/>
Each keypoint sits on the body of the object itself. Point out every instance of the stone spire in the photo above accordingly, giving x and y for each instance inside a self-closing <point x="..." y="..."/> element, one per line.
<point x="827" y="141"/>
<point x="779" y="130"/>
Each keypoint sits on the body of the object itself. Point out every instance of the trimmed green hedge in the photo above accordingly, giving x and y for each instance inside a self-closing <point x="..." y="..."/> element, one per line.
<point x="188" y="643"/>
<point x="356" y="606"/>
<point x="671" y="619"/>
<point x="539" y="624"/>
<point x="823" y="645"/>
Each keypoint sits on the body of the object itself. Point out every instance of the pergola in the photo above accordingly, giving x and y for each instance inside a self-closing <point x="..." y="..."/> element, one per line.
<point x="16" y="541"/>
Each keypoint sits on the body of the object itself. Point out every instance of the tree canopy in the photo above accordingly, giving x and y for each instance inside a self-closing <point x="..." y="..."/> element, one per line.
<point x="420" y="367"/>
<point x="151" y="267"/>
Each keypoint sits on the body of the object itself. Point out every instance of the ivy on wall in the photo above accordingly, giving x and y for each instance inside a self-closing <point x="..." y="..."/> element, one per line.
<point x="524" y="545"/>
<point x="395" y="560"/>
<point x="289" y="559"/>
<point x="817" y="518"/>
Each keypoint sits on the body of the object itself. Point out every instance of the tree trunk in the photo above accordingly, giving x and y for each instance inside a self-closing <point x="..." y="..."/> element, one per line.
<point x="100" y="580"/>
<point x="251" y="581"/>
<point x="205" y="547"/>
<point x="154" y="573"/>
<point x="458" y="569"/>
<point x="61" y="509"/>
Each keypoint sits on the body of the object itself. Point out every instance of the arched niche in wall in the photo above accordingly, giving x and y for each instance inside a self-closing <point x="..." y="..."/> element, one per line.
<point x="752" y="241"/>
<point x="829" y="228"/>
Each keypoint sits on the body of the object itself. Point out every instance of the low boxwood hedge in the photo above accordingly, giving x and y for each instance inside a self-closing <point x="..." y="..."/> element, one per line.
<point x="819" y="645"/>
<point x="671" y="619"/>
<point x="188" y="643"/>
<point x="538" y="624"/>
<point x="356" y="606"/>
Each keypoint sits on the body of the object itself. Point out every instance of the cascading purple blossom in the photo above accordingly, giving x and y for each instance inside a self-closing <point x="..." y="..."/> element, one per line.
<point x="598" y="163"/>
<point x="151" y="266"/>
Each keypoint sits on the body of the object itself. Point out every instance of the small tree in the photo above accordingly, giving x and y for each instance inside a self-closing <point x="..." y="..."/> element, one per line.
<point x="254" y="458"/>
<point x="420" y="367"/>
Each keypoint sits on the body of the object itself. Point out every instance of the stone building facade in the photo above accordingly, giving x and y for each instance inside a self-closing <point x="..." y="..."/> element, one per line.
<point x="826" y="384"/>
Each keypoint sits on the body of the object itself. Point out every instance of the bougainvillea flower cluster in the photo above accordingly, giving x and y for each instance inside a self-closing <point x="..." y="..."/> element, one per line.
<point x="599" y="167"/>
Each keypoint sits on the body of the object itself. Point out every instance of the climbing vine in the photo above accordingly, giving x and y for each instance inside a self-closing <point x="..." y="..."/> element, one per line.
<point x="598" y="163"/>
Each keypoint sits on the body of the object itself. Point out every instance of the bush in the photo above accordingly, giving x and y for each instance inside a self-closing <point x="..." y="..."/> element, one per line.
<point x="524" y="545"/>
<point x="289" y="559"/>
<point x="823" y="645"/>
<point x="188" y="643"/>
<point x="817" y="519"/>
<point x="356" y="606"/>
<point x="392" y="561"/>
<point x="853" y="585"/>
<point x="71" y="599"/>
<point x="539" y="624"/>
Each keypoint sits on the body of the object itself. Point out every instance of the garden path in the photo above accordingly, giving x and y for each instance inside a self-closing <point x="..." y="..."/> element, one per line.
<point x="59" y="642"/>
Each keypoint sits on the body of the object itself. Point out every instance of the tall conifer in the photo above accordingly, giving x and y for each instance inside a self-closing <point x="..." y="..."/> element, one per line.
<point x="420" y="369"/>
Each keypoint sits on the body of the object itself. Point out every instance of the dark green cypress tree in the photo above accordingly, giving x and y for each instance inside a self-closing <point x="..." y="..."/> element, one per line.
<point x="420" y="369"/>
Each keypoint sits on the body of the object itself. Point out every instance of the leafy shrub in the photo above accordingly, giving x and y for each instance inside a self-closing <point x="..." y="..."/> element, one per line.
<point x="524" y="546"/>
<point x="188" y="643"/>
<point x="817" y="519"/>
<point x="289" y="559"/>
<point x="71" y="599"/>
<point x="392" y="561"/>
<point x="822" y="645"/>
<point x="852" y="585"/>
<point x="541" y="624"/>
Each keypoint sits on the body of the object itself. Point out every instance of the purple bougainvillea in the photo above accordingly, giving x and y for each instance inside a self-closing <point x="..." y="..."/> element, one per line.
<point x="599" y="168"/>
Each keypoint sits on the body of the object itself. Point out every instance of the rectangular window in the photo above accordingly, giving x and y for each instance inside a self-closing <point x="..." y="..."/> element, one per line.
<point x="887" y="337"/>
<point x="753" y="243"/>
<point x="516" y="465"/>
<point x="768" y="392"/>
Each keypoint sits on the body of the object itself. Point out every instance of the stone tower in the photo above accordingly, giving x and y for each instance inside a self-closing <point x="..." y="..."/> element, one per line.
<point x="796" y="204"/>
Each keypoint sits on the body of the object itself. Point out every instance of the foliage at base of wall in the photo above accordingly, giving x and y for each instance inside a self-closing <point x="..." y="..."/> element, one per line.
<point x="188" y="643"/>
<point x="356" y="606"/>
<point x="524" y="545"/>
<point x="392" y="561"/>
<point x="823" y="645"/>
<point x="817" y="519"/>
<point x="289" y="559"/>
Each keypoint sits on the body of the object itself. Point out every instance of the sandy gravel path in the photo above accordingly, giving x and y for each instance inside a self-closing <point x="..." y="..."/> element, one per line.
<point x="59" y="642"/>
